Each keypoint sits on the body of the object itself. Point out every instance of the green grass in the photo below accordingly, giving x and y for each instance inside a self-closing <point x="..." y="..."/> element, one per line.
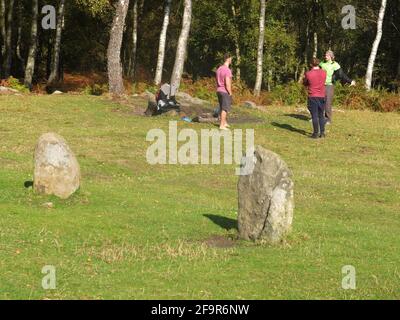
<point x="136" y="231"/>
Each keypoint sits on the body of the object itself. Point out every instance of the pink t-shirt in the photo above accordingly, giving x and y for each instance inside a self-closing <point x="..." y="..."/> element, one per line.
<point x="315" y="81"/>
<point x="223" y="72"/>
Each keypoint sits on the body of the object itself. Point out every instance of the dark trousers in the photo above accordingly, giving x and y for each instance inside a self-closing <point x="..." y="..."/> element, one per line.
<point x="317" y="110"/>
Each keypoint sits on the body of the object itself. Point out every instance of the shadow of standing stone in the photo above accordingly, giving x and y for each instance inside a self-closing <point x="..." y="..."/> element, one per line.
<point x="266" y="199"/>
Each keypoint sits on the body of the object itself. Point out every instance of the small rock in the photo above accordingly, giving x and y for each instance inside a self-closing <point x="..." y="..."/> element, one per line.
<point x="57" y="92"/>
<point x="48" y="205"/>
<point x="250" y="104"/>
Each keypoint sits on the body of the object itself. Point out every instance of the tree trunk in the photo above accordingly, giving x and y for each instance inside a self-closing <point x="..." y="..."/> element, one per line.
<point x="132" y="59"/>
<point x="30" y="65"/>
<point x="54" y="73"/>
<point x="315" y="53"/>
<point x="115" y="81"/>
<point x="8" y="42"/>
<point x="161" y="46"/>
<point x="3" y="26"/>
<point x="305" y="54"/>
<point x="236" y="40"/>
<point x="182" y="45"/>
<point x="375" y="46"/>
<point x="398" y="68"/>
<point x="19" y="38"/>
<point x="260" y="51"/>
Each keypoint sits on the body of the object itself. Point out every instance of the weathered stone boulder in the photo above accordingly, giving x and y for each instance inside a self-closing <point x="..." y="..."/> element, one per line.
<point x="266" y="199"/>
<point x="249" y="104"/>
<point x="57" y="171"/>
<point x="187" y="99"/>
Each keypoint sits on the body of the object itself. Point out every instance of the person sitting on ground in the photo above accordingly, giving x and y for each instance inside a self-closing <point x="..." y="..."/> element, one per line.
<point x="315" y="81"/>
<point x="334" y="73"/>
<point x="224" y="90"/>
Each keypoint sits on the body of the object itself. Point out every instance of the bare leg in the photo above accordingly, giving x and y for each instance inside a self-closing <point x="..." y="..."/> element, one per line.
<point x="224" y="115"/>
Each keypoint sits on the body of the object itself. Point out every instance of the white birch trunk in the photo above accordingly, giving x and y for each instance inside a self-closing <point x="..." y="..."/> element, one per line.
<point x="315" y="53"/>
<point x="132" y="60"/>
<point x="115" y="80"/>
<point x="237" y="44"/>
<point x="30" y="65"/>
<point x="54" y="70"/>
<point x="375" y="46"/>
<point x="260" y="51"/>
<point x="181" y="50"/>
<point x="162" y="43"/>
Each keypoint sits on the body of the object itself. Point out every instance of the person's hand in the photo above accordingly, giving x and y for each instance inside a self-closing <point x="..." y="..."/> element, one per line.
<point x="353" y="83"/>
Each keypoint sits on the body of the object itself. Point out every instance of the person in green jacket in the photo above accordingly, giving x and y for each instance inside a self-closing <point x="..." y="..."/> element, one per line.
<point x="334" y="73"/>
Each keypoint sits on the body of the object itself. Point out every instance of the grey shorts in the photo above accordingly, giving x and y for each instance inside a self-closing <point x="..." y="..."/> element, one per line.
<point x="225" y="101"/>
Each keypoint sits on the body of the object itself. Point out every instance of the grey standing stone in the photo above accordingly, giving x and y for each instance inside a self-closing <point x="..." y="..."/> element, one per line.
<point x="266" y="199"/>
<point x="57" y="171"/>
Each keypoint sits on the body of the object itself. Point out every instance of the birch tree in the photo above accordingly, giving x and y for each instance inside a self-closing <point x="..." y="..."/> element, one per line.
<point x="114" y="66"/>
<point x="260" y="51"/>
<point x="55" y="64"/>
<point x="30" y="65"/>
<point x="162" y="42"/>
<point x="375" y="46"/>
<point x="181" y="50"/>
<point x="132" y="58"/>
<point x="236" y="40"/>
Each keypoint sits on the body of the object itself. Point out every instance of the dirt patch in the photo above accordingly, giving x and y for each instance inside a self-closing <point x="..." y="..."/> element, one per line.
<point x="220" y="242"/>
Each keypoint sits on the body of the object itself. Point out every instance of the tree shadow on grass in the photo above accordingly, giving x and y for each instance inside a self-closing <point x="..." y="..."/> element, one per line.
<point x="223" y="222"/>
<point x="289" y="128"/>
<point x="298" y="116"/>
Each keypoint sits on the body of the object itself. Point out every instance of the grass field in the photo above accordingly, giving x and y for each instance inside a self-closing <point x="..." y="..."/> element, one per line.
<point x="136" y="231"/>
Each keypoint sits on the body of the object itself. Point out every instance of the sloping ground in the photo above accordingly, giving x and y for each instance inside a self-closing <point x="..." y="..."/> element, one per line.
<point x="140" y="231"/>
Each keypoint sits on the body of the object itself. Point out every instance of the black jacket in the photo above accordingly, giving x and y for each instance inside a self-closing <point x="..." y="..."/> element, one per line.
<point x="339" y="75"/>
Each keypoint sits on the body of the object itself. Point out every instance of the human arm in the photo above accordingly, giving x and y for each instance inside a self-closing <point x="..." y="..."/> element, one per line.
<point x="228" y="84"/>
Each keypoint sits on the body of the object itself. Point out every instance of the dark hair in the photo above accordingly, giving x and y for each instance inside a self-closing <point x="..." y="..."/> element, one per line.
<point x="227" y="56"/>
<point x="315" y="62"/>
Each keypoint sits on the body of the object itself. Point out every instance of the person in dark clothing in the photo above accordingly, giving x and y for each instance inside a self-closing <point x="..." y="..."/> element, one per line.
<point x="315" y="81"/>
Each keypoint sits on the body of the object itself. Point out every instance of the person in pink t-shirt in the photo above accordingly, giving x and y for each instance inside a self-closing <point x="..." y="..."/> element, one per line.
<point x="224" y="90"/>
<point x="315" y="81"/>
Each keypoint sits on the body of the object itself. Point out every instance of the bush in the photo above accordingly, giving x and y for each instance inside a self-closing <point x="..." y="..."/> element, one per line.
<point x="96" y="89"/>
<point x="357" y="98"/>
<point x="13" y="83"/>
<point x="291" y="94"/>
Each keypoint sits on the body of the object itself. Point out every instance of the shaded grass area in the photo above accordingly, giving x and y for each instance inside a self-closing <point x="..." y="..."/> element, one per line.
<point x="136" y="231"/>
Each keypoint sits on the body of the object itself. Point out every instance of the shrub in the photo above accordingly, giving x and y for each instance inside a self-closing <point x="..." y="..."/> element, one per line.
<point x="291" y="94"/>
<point x="13" y="83"/>
<point x="96" y="89"/>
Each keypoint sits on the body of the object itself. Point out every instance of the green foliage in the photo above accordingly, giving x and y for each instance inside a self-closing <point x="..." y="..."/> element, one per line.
<point x="16" y="85"/>
<point x="96" y="89"/>
<point x="290" y="94"/>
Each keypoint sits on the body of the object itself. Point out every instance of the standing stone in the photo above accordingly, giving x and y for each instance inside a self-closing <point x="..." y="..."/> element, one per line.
<point x="57" y="171"/>
<point x="266" y="200"/>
